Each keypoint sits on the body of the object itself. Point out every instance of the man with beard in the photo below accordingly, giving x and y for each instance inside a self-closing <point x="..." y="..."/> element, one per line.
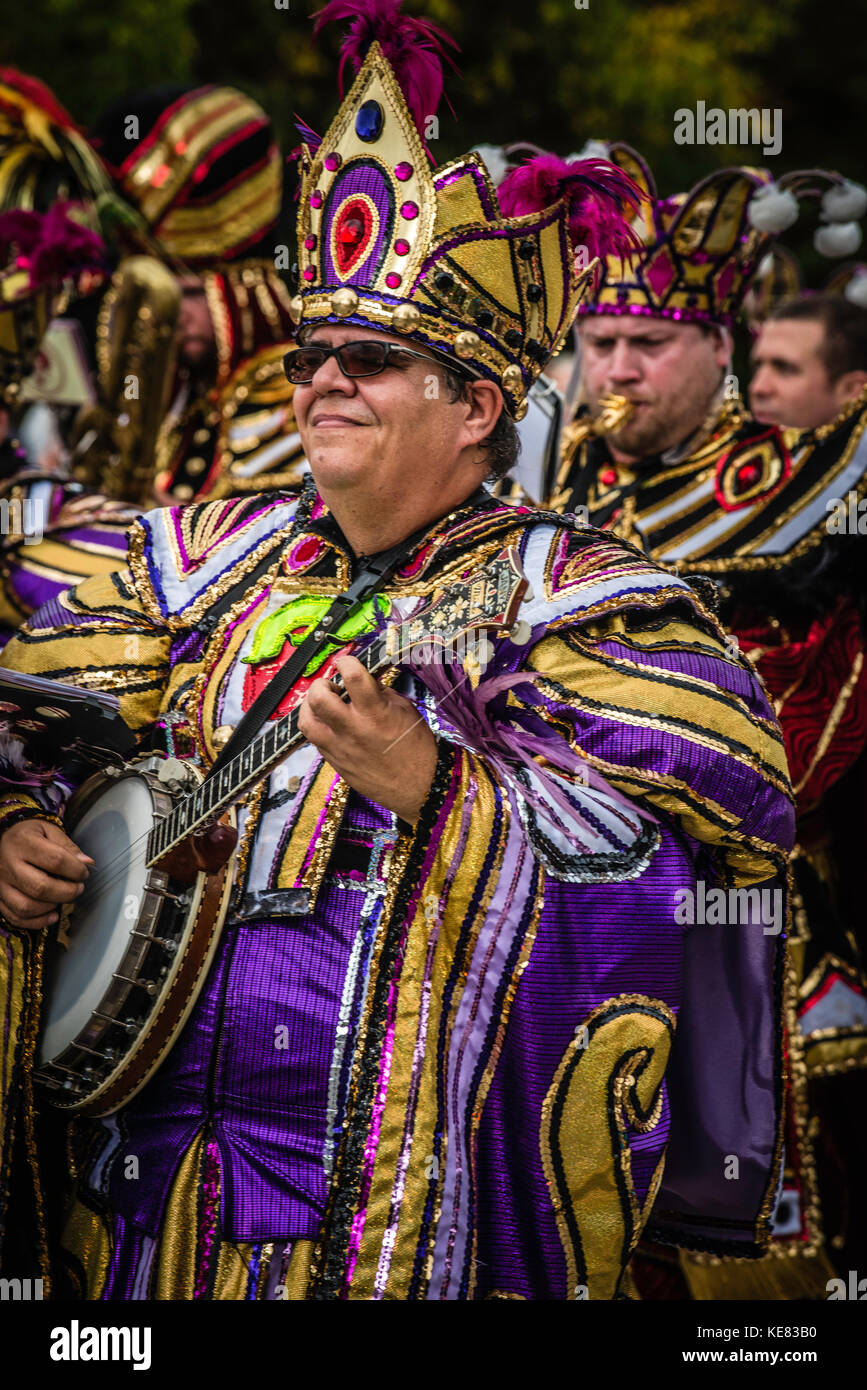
<point x="206" y="175"/>
<point x="117" y="324"/>
<point x="707" y="490"/>
<point x="201" y="191"/>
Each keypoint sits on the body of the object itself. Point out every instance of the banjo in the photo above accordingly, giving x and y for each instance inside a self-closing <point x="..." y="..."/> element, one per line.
<point x="128" y="960"/>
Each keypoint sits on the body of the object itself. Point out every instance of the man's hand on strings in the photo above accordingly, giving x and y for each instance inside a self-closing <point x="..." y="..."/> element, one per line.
<point x="377" y="741"/>
<point x="40" y="868"/>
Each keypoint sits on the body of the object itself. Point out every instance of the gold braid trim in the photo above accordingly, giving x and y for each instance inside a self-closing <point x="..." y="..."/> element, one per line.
<point x="30" y="1029"/>
<point x="140" y="577"/>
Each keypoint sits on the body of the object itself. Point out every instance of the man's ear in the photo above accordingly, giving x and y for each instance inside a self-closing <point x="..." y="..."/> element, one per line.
<point x="723" y="347"/>
<point x="849" y="385"/>
<point x="485" y="404"/>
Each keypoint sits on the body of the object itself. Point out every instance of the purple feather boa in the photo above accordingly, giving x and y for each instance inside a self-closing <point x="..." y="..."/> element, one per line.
<point x="503" y="746"/>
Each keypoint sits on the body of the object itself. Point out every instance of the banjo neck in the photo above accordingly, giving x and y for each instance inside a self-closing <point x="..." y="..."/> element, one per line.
<point x="483" y="602"/>
<point x="216" y="794"/>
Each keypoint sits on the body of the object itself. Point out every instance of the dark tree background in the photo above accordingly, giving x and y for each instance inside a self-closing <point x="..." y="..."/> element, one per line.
<point x="541" y="70"/>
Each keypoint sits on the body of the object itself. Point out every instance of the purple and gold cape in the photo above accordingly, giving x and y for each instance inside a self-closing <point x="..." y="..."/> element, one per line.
<point x="478" y="1057"/>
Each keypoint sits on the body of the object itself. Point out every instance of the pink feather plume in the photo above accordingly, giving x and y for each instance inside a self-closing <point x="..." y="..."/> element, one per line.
<point x="597" y="191"/>
<point x="50" y="245"/>
<point x="415" y="48"/>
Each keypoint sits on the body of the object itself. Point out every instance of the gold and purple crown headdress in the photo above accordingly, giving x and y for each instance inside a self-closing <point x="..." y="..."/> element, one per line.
<point x="701" y="250"/>
<point x="490" y="279"/>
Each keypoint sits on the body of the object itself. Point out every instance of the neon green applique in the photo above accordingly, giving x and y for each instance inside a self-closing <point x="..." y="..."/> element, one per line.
<point x="298" y="618"/>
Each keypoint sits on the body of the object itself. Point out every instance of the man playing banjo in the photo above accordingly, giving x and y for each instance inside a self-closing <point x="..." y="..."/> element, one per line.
<point x="453" y="1023"/>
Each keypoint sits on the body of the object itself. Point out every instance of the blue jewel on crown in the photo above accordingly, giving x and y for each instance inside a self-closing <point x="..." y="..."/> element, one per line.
<point x="369" y="121"/>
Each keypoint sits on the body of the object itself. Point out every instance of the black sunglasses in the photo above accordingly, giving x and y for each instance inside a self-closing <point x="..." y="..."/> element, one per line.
<point x="360" y="358"/>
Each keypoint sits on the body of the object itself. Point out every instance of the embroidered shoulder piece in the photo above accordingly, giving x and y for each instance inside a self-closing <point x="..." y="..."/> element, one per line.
<point x="757" y="500"/>
<point x="578" y="574"/>
<point x="184" y="558"/>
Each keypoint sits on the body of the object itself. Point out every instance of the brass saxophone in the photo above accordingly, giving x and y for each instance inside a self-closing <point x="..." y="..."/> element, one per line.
<point x="614" y="411"/>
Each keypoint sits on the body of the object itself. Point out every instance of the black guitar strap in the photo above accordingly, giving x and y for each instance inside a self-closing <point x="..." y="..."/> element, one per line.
<point x="374" y="575"/>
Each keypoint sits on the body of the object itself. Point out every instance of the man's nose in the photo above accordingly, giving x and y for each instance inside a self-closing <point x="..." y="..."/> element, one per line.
<point x="329" y="378"/>
<point x="623" y="365"/>
<point x="761" y="382"/>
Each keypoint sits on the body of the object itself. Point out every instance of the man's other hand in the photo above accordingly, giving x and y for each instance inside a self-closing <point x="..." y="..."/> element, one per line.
<point x="377" y="742"/>
<point x="40" y="868"/>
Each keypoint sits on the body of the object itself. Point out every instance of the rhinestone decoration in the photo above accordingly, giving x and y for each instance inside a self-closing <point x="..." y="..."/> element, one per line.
<point x="369" y="121"/>
<point x="409" y="211"/>
<point x="332" y="161"/>
<point x="401" y="247"/>
<point x="392" y="279"/>
<point x="403" y="171"/>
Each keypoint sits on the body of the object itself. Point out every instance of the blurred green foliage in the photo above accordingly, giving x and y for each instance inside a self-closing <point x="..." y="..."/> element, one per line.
<point x="544" y="71"/>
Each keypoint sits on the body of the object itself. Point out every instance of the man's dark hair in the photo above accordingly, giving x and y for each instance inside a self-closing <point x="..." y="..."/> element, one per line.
<point x="844" y="347"/>
<point x="503" y="444"/>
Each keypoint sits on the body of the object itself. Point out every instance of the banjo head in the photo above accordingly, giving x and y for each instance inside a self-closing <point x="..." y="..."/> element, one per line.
<point x="113" y="831"/>
<point x="124" y="973"/>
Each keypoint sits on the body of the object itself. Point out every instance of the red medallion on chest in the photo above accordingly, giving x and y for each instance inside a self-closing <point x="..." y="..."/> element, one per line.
<point x="257" y="677"/>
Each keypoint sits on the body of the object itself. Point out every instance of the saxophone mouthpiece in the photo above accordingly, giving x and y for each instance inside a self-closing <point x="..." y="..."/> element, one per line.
<point x="614" y="411"/>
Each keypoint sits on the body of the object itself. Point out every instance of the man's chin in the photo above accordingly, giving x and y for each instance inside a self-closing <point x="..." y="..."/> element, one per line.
<point x="197" y="357"/>
<point x="640" y="441"/>
<point x="335" y="463"/>
<point x="766" y="415"/>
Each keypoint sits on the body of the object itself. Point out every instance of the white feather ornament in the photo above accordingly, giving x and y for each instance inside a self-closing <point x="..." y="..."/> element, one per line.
<point x="837" y="239"/>
<point x="856" y="290"/>
<point x="772" y="209"/>
<point x="845" y="202"/>
<point x="495" y="162"/>
<point x="594" y="149"/>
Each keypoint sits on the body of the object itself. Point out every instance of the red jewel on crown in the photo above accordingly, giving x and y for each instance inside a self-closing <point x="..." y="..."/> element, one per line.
<point x="352" y="234"/>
